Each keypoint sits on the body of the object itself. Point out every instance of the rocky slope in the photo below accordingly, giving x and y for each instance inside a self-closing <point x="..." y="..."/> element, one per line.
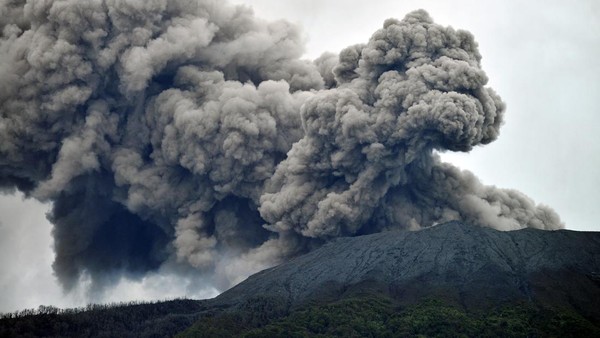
<point x="471" y="266"/>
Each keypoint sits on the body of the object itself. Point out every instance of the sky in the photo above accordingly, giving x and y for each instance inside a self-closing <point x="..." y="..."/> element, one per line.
<point x="540" y="58"/>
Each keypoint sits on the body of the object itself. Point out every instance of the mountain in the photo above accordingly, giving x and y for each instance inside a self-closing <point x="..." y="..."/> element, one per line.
<point x="473" y="266"/>
<point x="448" y="280"/>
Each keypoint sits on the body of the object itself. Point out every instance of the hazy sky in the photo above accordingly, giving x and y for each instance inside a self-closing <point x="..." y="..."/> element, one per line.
<point x="541" y="57"/>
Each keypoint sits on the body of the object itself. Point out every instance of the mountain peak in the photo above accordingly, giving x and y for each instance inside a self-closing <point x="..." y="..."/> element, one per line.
<point x="469" y="265"/>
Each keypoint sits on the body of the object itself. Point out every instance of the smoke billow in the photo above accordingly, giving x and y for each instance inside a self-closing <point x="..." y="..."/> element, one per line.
<point x="191" y="133"/>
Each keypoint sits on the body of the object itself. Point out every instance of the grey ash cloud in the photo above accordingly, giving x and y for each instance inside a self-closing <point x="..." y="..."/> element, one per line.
<point x="192" y="133"/>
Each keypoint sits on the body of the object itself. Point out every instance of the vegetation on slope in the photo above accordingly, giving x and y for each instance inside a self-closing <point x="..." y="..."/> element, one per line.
<point x="379" y="317"/>
<point x="158" y="319"/>
<point x="356" y="316"/>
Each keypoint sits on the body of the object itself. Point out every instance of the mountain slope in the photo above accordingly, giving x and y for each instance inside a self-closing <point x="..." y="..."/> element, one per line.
<point x="157" y="319"/>
<point x="474" y="266"/>
<point x="449" y="280"/>
<point x="452" y="279"/>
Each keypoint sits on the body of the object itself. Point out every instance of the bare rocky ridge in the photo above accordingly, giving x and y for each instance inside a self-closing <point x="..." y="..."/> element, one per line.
<point x="473" y="266"/>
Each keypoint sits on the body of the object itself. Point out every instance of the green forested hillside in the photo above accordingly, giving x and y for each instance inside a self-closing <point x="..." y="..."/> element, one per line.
<point x="357" y="316"/>
<point x="373" y="316"/>
<point x="160" y="319"/>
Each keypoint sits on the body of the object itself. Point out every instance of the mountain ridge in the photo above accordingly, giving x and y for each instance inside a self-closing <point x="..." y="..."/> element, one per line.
<point x="515" y="265"/>
<point x="452" y="277"/>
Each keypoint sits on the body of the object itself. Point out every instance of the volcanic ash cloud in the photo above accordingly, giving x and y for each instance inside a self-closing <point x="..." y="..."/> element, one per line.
<point x="191" y="134"/>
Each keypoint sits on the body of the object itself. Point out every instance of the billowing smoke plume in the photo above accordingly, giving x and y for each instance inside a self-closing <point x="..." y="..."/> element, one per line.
<point x="191" y="132"/>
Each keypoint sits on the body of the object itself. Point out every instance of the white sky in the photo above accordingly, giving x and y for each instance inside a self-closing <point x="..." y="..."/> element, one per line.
<point x="540" y="56"/>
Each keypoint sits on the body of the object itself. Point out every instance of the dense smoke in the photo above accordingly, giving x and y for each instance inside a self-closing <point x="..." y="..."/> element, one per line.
<point x="191" y="133"/>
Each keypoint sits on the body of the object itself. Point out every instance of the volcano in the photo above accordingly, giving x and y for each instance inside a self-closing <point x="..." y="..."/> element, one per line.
<point x="471" y="266"/>
<point x="447" y="280"/>
<point x="452" y="278"/>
